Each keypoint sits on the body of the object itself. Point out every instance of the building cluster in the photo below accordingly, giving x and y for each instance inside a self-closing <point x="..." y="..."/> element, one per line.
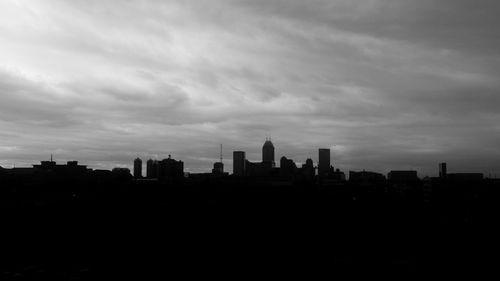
<point x="71" y="168"/>
<point x="162" y="170"/>
<point x="405" y="183"/>
<point x="242" y="167"/>
<point x="171" y="170"/>
<point x="443" y="174"/>
<point x="48" y="171"/>
<point x="287" y="168"/>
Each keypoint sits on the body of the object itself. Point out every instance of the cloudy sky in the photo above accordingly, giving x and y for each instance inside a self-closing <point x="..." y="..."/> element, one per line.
<point x="386" y="84"/>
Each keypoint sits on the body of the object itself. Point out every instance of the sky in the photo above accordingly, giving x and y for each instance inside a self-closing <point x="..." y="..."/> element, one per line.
<point x="385" y="84"/>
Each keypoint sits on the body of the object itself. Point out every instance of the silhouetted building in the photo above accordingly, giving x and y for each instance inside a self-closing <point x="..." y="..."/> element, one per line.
<point x="307" y="169"/>
<point x="365" y="182"/>
<point x="21" y="171"/>
<point x="337" y="175"/>
<point x="332" y="178"/>
<point x="324" y="162"/>
<point x="218" y="168"/>
<point x="404" y="183"/>
<point x="427" y="189"/>
<point x="402" y="176"/>
<point x="259" y="169"/>
<point x="122" y="174"/>
<point x="465" y="177"/>
<point x="74" y="167"/>
<point x="239" y="163"/>
<point x="121" y="171"/>
<point x="152" y="169"/>
<point x="71" y="167"/>
<point x="268" y="152"/>
<point x="442" y="170"/>
<point x="46" y="165"/>
<point x="365" y="177"/>
<point x="170" y="169"/>
<point x="287" y="167"/>
<point x="137" y="168"/>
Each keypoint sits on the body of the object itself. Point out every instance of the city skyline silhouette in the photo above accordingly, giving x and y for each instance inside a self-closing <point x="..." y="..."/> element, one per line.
<point x="313" y="216"/>
<point x="144" y="139"/>
<point x="163" y="170"/>
<point x="426" y="171"/>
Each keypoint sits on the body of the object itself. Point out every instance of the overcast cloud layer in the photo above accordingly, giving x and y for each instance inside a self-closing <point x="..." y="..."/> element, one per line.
<point x="386" y="84"/>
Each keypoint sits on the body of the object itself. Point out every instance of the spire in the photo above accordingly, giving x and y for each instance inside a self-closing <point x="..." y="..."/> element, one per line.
<point x="51" y="158"/>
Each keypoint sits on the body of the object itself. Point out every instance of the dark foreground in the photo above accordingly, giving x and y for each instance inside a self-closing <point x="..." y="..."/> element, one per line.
<point x="232" y="231"/>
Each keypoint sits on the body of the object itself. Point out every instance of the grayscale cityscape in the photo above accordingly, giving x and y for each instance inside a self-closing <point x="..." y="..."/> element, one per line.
<point x="147" y="139"/>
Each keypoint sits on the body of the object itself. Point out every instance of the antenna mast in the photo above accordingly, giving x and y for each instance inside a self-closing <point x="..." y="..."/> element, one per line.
<point x="221" y="152"/>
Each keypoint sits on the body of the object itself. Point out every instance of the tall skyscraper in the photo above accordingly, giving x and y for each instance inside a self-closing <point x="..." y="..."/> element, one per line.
<point x="442" y="170"/>
<point x="239" y="163"/>
<point x="137" y="168"/>
<point x="324" y="161"/>
<point x="268" y="152"/>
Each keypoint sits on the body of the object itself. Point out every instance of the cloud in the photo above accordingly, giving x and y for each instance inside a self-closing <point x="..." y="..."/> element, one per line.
<point x="386" y="84"/>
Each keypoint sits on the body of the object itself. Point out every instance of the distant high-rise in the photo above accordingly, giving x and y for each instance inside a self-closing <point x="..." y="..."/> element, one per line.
<point x="151" y="169"/>
<point x="268" y="152"/>
<point x="239" y="163"/>
<point x="442" y="170"/>
<point x="324" y="161"/>
<point x="137" y="168"/>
